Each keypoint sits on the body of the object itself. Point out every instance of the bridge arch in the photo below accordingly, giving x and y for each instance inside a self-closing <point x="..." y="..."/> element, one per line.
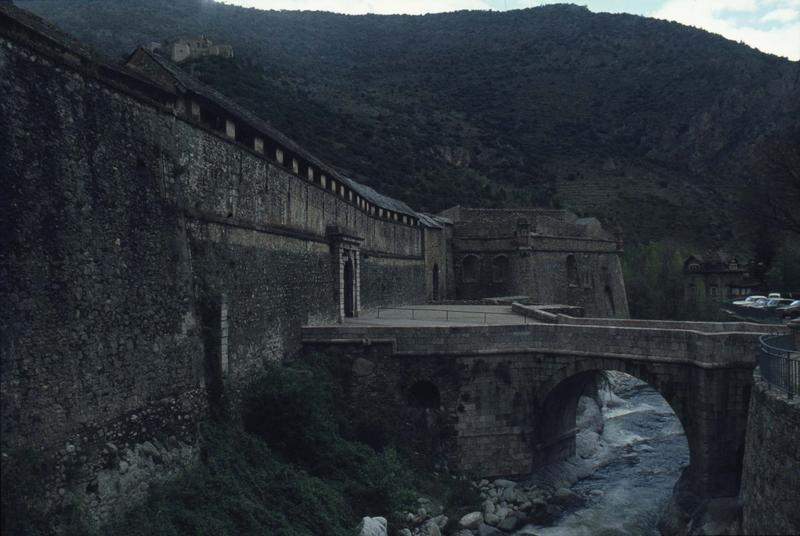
<point x="557" y="403"/>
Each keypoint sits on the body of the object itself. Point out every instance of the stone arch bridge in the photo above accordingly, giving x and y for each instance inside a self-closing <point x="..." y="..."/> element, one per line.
<point x="508" y="393"/>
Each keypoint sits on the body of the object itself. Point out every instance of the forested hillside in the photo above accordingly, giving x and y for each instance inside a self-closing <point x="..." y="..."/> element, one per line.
<point x="655" y="127"/>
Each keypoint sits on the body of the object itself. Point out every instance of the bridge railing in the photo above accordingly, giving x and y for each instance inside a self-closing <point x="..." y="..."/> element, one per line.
<point x="448" y="315"/>
<point x="779" y="363"/>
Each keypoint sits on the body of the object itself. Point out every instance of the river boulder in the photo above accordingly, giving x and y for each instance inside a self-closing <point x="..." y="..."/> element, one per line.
<point x="372" y="526"/>
<point x="470" y="520"/>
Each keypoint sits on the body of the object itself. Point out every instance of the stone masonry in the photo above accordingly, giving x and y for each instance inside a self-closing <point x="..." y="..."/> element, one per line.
<point x="771" y="476"/>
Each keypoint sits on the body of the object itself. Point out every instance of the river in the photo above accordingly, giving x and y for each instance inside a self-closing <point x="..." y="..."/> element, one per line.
<point x="641" y="452"/>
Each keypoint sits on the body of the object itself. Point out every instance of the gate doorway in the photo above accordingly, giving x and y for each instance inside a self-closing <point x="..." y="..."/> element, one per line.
<point x="435" y="282"/>
<point x="349" y="288"/>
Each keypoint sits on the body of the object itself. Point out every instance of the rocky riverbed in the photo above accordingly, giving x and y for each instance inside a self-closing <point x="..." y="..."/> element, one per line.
<point x="630" y="451"/>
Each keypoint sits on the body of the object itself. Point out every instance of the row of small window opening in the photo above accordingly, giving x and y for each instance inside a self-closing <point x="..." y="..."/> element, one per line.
<point x="298" y="166"/>
<point x="714" y="291"/>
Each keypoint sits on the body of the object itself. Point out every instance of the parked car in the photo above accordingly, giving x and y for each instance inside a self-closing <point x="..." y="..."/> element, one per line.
<point x="790" y="311"/>
<point x="774" y="303"/>
<point x="748" y="301"/>
<point x="774" y="295"/>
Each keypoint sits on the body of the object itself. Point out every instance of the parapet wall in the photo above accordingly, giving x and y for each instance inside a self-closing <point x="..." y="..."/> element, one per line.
<point x="577" y="271"/>
<point x="493" y="222"/>
<point x="771" y="472"/>
<point x="705" y="327"/>
<point x="710" y="350"/>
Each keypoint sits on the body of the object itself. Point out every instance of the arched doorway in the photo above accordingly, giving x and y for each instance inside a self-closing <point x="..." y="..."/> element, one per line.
<point x="500" y="274"/>
<point x="572" y="271"/>
<point x="425" y="422"/>
<point x="435" y="282"/>
<point x="470" y="269"/>
<point x="424" y="394"/>
<point x="610" y="300"/>
<point x="349" y="288"/>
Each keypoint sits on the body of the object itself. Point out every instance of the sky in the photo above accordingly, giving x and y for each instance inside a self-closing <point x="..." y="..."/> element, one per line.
<point x="771" y="26"/>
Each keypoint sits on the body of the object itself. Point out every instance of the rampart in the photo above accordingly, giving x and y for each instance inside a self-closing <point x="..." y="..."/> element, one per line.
<point x="771" y="475"/>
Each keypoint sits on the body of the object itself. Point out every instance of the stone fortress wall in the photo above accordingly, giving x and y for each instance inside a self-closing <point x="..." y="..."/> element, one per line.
<point x="770" y="477"/>
<point x="548" y="255"/>
<point x="771" y="467"/>
<point x="148" y="261"/>
<point x="196" y="47"/>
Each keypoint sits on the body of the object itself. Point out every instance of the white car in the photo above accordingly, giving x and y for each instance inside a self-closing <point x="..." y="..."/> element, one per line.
<point x="750" y="301"/>
<point x="775" y="295"/>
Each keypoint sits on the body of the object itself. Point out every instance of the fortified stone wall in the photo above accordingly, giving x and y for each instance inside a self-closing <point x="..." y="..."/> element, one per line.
<point x="771" y="475"/>
<point x="387" y="281"/>
<point x="102" y="360"/>
<point x="574" y="271"/>
<point x="146" y="262"/>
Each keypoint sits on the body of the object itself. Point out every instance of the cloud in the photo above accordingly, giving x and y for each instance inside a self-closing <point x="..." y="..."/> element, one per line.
<point x="358" y="7"/>
<point x="785" y="14"/>
<point x="724" y="17"/>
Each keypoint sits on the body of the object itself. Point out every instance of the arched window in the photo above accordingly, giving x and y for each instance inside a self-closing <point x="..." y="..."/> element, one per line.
<point x="424" y="394"/>
<point x="522" y="232"/>
<point x="470" y="269"/>
<point x="572" y="271"/>
<point x="500" y="269"/>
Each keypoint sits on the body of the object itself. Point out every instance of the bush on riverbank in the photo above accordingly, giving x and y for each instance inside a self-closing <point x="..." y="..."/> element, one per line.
<point x="287" y="471"/>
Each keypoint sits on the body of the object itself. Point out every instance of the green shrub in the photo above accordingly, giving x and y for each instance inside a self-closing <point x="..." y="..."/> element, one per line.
<point x="240" y="487"/>
<point x="288" y="473"/>
<point x="24" y="509"/>
<point x="291" y="409"/>
<point x="291" y="470"/>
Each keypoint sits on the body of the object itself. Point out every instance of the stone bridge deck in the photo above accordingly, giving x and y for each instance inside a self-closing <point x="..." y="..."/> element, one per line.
<point x="506" y="393"/>
<point x="468" y="331"/>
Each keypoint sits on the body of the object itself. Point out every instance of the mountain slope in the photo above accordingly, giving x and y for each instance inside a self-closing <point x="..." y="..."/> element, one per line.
<point x="653" y="126"/>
